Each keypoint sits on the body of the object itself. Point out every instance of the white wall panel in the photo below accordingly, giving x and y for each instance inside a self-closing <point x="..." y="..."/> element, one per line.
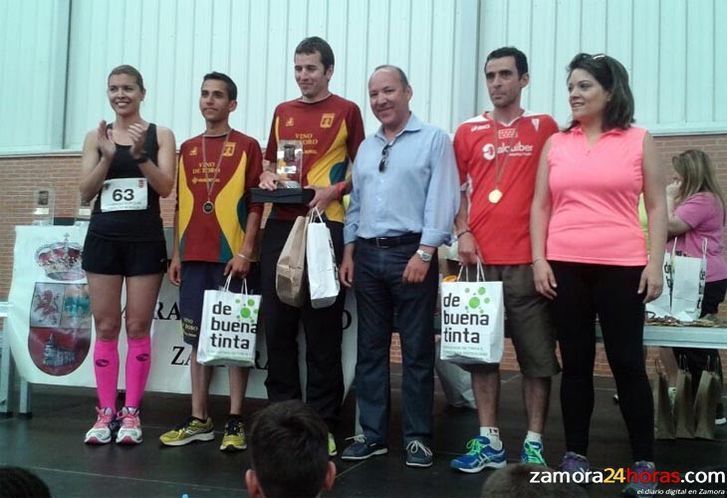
<point x="422" y="28"/>
<point x="465" y="65"/>
<point x="673" y="49"/>
<point x="174" y="43"/>
<point x="699" y="48"/>
<point x="644" y="75"/>
<point x="33" y="51"/>
<point x="672" y="61"/>
<point x="567" y="43"/>
<point x="593" y="25"/>
<point x="718" y="62"/>
<point x="545" y="76"/>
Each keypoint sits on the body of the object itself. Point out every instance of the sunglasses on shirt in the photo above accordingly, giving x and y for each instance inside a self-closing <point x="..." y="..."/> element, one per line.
<point x="384" y="157"/>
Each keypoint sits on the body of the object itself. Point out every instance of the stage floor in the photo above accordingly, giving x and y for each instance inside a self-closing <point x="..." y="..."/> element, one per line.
<point x="50" y="444"/>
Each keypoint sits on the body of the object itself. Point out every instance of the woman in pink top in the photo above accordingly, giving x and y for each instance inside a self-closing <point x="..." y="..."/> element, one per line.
<point x="589" y="253"/>
<point x="696" y="208"/>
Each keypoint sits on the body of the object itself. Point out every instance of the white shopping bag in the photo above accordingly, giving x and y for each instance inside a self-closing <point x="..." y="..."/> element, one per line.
<point x="229" y="327"/>
<point x="689" y="276"/>
<point x="323" y="280"/>
<point x="661" y="306"/>
<point x="473" y="320"/>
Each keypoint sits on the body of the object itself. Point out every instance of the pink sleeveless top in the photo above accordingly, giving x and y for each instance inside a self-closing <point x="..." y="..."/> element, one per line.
<point x="594" y="198"/>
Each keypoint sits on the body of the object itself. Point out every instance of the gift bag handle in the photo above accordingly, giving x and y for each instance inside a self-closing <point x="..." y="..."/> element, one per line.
<point x="316" y="215"/>
<point x="674" y="247"/>
<point x="703" y="246"/>
<point x="226" y="287"/>
<point x="480" y="272"/>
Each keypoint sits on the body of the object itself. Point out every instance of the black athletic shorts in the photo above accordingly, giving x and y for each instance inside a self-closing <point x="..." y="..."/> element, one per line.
<point x="116" y="257"/>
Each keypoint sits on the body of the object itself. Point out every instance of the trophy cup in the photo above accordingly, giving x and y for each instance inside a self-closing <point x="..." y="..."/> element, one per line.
<point x="44" y="207"/>
<point x="289" y="168"/>
<point x="83" y="215"/>
<point x="290" y="163"/>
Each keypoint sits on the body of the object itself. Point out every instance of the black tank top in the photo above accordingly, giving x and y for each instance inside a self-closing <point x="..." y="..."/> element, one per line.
<point x="137" y="225"/>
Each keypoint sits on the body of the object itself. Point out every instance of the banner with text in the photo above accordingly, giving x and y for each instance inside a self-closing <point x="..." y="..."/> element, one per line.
<point x="51" y="328"/>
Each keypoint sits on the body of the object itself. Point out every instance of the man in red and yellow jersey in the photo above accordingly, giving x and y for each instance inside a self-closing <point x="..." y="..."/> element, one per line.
<point x="215" y="230"/>
<point x="330" y="129"/>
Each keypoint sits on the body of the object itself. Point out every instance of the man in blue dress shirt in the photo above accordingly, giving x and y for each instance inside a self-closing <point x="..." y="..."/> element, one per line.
<point x="404" y="200"/>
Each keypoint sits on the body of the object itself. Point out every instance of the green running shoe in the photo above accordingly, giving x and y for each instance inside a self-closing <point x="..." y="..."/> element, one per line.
<point x="192" y="429"/>
<point x="234" y="438"/>
<point x="332" y="450"/>
<point x="532" y="452"/>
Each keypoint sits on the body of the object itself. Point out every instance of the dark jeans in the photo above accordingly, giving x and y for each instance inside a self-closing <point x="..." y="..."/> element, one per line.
<point x="323" y="329"/>
<point x="380" y="293"/>
<point x="584" y="291"/>
<point x="697" y="359"/>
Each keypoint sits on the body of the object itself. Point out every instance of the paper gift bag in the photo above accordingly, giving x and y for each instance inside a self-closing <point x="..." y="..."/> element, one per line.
<point x="323" y="282"/>
<point x="291" y="265"/>
<point x="684" y="402"/>
<point x="228" y="329"/>
<point x="456" y="382"/>
<point x="663" y="416"/>
<point x="473" y="320"/>
<point x="705" y="402"/>
<point x="689" y="274"/>
<point x="661" y="306"/>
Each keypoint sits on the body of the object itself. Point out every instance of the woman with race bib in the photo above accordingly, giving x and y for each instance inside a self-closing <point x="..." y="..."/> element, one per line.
<point x="126" y="165"/>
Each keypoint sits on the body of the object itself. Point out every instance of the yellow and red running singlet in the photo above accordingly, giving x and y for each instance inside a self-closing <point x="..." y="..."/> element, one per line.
<point x="331" y="131"/>
<point x="218" y="236"/>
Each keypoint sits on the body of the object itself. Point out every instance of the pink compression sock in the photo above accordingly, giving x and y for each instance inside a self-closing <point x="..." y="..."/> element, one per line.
<point x="138" y="364"/>
<point x="106" y="368"/>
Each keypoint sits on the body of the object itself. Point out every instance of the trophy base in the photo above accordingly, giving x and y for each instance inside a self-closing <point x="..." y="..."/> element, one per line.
<point x="283" y="195"/>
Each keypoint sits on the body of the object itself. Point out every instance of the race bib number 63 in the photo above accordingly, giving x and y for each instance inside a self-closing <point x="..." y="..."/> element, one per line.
<point x="124" y="194"/>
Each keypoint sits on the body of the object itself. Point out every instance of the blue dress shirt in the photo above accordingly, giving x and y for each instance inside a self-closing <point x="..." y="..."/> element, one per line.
<point x="417" y="191"/>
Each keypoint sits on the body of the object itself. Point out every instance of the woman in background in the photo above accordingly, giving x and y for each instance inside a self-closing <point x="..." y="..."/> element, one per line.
<point x="696" y="208"/>
<point x="127" y="165"/>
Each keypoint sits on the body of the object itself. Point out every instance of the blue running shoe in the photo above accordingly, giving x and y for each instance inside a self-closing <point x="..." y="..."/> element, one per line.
<point x="573" y="462"/>
<point x="645" y="487"/>
<point x="418" y="454"/>
<point x="480" y="454"/>
<point x="361" y="449"/>
<point x="532" y="452"/>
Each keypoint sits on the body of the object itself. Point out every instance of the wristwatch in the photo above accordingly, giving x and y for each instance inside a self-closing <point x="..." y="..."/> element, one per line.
<point x="424" y="255"/>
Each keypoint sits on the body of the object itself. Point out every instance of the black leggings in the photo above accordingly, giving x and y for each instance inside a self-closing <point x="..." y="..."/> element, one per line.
<point x="584" y="291"/>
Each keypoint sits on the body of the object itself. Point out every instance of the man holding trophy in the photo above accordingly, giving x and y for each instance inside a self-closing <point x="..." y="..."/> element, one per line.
<point x="313" y="139"/>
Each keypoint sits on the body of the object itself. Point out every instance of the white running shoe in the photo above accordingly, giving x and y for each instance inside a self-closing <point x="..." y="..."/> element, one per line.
<point x="130" y="430"/>
<point x="100" y="433"/>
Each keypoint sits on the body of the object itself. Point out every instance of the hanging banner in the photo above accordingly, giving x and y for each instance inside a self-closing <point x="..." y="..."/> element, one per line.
<point x="51" y="330"/>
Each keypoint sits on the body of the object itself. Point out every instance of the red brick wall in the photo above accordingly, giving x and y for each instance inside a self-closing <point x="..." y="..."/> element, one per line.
<point x="20" y="176"/>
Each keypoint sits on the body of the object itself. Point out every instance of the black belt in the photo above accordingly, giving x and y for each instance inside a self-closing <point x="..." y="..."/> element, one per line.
<point x="386" y="242"/>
